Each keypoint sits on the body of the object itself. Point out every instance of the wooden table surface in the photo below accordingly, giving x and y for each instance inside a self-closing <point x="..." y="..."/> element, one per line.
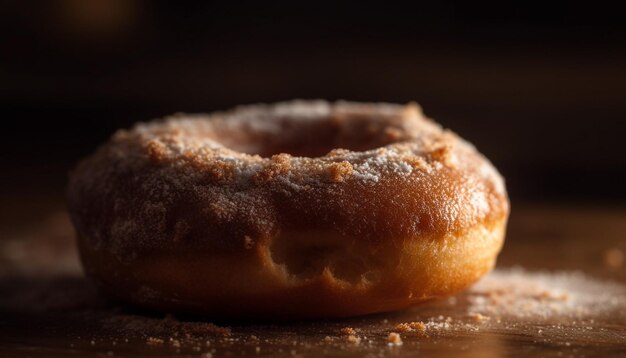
<point x="559" y="290"/>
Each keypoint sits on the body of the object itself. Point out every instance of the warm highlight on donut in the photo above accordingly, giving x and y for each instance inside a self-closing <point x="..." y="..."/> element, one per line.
<point x="300" y="209"/>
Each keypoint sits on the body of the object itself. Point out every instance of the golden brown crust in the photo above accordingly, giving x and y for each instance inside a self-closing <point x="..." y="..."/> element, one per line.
<point x="370" y="212"/>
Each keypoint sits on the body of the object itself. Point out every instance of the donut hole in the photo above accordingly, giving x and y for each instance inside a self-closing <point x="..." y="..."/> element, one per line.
<point x="308" y="255"/>
<point x="307" y="138"/>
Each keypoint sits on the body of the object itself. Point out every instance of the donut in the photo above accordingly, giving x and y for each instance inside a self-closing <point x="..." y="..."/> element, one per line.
<point x="294" y="210"/>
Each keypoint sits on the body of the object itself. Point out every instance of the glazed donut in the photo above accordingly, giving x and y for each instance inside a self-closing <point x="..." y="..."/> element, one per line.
<point x="301" y="209"/>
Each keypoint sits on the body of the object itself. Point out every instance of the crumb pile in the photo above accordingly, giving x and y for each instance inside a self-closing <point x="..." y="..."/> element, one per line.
<point x="565" y="309"/>
<point x="134" y="325"/>
<point x="521" y="295"/>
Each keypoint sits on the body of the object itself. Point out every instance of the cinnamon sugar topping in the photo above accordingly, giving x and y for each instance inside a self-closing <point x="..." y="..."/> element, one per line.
<point x="188" y="159"/>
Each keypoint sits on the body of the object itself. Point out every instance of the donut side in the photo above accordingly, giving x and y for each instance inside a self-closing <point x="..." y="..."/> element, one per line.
<point x="255" y="286"/>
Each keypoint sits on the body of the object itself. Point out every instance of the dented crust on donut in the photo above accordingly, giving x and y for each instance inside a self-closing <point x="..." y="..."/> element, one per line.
<point x="293" y="210"/>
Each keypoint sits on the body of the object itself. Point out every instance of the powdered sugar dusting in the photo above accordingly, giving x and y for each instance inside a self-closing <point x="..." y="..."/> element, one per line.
<point x="521" y="295"/>
<point x="421" y="140"/>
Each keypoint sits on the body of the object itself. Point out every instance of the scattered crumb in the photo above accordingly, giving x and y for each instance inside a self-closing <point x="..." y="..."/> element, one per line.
<point x="477" y="317"/>
<point x="353" y="339"/>
<point x="437" y="326"/>
<point x="402" y="327"/>
<point x="394" y="339"/>
<point x="614" y="258"/>
<point x="419" y="328"/>
<point x="153" y="341"/>
<point x="348" y="331"/>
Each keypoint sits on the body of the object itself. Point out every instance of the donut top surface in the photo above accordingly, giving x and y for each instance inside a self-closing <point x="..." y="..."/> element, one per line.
<point x="376" y="172"/>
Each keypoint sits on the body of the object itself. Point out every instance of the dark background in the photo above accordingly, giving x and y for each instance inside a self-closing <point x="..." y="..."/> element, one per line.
<point x="541" y="90"/>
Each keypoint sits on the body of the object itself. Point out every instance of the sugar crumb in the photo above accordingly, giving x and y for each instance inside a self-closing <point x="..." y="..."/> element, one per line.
<point x="402" y="327"/>
<point x="477" y="317"/>
<point x="339" y="172"/>
<point x="353" y="339"/>
<point x="394" y="339"/>
<point x="153" y="341"/>
<point x="418" y="326"/>
<point x="347" y="331"/>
